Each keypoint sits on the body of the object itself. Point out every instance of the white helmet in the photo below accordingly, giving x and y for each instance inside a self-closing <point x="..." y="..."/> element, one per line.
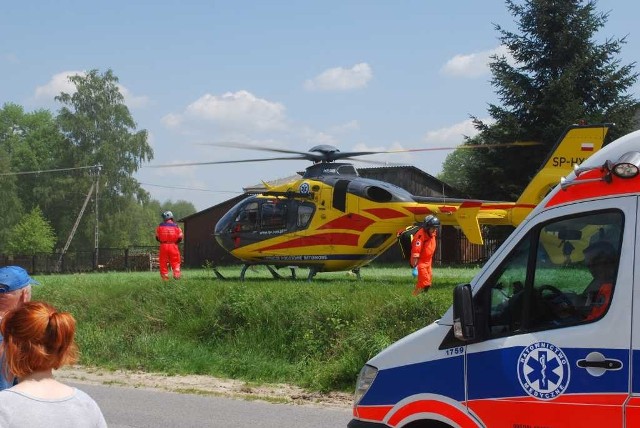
<point x="167" y="215"/>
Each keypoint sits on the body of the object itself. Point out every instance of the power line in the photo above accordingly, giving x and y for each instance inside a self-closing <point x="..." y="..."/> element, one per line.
<point x="48" y="170"/>
<point x="190" y="188"/>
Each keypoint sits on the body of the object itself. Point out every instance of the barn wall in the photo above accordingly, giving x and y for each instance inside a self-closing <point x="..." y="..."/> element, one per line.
<point x="200" y="246"/>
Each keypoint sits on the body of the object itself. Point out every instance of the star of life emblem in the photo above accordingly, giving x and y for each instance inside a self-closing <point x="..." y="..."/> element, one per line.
<point x="304" y="188"/>
<point x="543" y="371"/>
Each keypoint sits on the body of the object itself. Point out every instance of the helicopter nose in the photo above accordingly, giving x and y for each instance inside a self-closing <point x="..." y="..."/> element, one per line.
<point x="223" y="234"/>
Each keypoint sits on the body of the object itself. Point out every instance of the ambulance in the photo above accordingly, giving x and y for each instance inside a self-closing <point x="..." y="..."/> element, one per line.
<point x="547" y="334"/>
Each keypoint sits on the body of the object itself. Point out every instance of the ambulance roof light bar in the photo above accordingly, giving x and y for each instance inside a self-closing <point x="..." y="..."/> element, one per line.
<point x="628" y="166"/>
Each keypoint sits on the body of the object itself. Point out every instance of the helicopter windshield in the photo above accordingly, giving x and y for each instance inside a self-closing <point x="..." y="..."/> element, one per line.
<point x="259" y="218"/>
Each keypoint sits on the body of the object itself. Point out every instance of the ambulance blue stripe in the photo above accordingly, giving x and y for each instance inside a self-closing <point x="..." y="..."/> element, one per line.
<point x="636" y="379"/>
<point x="445" y="377"/>
<point x="493" y="374"/>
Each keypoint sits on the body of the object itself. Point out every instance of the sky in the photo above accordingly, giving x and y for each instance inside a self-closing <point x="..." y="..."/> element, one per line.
<point x="355" y="74"/>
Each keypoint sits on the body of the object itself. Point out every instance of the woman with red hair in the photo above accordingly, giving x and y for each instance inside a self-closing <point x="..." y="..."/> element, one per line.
<point x="37" y="340"/>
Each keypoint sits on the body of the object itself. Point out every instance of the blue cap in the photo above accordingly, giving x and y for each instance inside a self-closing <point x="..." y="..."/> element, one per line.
<point x="14" y="278"/>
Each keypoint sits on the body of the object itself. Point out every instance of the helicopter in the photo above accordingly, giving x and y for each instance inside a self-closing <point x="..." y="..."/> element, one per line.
<point x="332" y="219"/>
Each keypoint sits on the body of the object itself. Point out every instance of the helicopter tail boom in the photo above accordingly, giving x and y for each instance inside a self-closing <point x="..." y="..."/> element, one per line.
<point x="574" y="147"/>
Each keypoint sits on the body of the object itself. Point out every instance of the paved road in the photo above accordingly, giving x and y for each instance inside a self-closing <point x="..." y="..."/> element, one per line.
<point x="142" y="408"/>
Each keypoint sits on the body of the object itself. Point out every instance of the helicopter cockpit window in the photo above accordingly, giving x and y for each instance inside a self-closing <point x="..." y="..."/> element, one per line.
<point x="304" y="215"/>
<point x="347" y="170"/>
<point x="274" y="215"/>
<point x="247" y="218"/>
<point x="561" y="274"/>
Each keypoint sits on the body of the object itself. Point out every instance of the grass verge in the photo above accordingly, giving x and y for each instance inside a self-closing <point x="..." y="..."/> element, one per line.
<point x="316" y="335"/>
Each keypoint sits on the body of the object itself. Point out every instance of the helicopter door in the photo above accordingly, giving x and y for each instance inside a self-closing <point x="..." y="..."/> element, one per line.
<point x="339" y="200"/>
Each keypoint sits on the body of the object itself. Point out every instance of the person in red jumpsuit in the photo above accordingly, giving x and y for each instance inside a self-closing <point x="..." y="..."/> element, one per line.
<point x="423" y="247"/>
<point x="169" y="235"/>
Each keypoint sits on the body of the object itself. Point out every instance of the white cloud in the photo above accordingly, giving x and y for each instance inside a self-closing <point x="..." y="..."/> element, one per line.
<point x="60" y="83"/>
<point x="133" y="101"/>
<point x="474" y="64"/>
<point x="452" y="135"/>
<point x="240" y="111"/>
<point x="172" y="120"/>
<point x="341" y="79"/>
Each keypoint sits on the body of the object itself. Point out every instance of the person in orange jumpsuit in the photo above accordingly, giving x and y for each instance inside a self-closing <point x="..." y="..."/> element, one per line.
<point x="423" y="247"/>
<point x="169" y="235"/>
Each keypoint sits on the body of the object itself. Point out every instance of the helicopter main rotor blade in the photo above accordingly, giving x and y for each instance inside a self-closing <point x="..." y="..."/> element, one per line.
<point x="468" y="146"/>
<point x="222" y="162"/>
<point x="326" y="153"/>
<point x="233" y="145"/>
<point x="316" y="154"/>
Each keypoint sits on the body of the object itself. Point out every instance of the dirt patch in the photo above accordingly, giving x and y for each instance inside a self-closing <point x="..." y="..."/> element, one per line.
<point x="206" y="385"/>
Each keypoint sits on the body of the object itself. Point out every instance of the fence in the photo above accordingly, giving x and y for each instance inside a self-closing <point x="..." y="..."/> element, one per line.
<point x="105" y="259"/>
<point x="453" y="250"/>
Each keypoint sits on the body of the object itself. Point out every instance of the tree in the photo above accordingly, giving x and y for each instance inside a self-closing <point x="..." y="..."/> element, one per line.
<point x="100" y="131"/>
<point x="179" y="208"/>
<point x="32" y="235"/>
<point x="28" y="142"/>
<point x="561" y="75"/>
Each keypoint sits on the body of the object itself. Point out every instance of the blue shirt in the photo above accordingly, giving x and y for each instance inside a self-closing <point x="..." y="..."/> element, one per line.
<point x="4" y="382"/>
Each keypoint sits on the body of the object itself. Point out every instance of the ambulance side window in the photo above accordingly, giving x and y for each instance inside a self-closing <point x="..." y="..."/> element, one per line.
<point x="576" y="270"/>
<point x="562" y="273"/>
<point x="507" y="292"/>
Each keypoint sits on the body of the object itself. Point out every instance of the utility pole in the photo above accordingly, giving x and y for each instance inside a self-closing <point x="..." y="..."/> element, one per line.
<point x="75" y="226"/>
<point x="97" y="227"/>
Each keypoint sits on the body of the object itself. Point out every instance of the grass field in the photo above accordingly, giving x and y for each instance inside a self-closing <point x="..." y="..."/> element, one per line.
<point x="314" y="334"/>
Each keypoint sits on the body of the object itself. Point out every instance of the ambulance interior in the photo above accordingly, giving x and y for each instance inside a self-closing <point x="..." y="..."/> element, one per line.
<point x="561" y="273"/>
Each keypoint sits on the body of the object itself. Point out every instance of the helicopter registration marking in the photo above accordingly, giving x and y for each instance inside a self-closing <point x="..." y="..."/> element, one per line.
<point x="559" y="161"/>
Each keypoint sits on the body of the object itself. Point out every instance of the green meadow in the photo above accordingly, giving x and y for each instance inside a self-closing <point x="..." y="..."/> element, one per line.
<point x="314" y="334"/>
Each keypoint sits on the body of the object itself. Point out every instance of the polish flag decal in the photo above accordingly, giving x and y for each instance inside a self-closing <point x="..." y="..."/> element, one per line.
<point x="586" y="147"/>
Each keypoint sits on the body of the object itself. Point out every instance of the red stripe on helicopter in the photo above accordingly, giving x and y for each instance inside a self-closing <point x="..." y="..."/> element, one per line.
<point x="350" y="222"/>
<point x="349" y="239"/>
<point x="471" y="204"/>
<point x="419" y="210"/>
<point x="385" y="213"/>
<point x="445" y="209"/>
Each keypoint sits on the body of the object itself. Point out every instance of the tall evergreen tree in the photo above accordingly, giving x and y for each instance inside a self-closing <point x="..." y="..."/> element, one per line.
<point x="558" y="74"/>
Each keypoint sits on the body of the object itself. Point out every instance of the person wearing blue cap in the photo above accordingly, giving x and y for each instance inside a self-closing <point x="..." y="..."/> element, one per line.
<point x="15" y="290"/>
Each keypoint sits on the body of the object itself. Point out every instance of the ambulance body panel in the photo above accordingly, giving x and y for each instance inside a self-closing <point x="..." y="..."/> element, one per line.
<point x="543" y="340"/>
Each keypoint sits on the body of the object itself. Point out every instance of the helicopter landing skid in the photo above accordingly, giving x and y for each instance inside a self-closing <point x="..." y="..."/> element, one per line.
<point x="275" y="274"/>
<point x="218" y="274"/>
